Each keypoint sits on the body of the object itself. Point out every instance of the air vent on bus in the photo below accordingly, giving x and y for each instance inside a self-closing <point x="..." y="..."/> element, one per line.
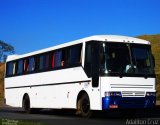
<point x="133" y="93"/>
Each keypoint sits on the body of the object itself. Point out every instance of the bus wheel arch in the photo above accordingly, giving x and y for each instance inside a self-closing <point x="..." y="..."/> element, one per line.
<point x="26" y="103"/>
<point x="83" y="104"/>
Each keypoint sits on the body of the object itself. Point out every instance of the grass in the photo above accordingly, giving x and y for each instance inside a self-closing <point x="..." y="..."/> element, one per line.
<point x="18" y="122"/>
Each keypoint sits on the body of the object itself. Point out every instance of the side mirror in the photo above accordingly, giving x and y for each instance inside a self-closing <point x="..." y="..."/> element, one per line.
<point x="95" y="65"/>
<point x="153" y="60"/>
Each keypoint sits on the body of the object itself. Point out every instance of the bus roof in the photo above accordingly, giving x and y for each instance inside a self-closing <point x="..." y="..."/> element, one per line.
<point x="105" y="38"/>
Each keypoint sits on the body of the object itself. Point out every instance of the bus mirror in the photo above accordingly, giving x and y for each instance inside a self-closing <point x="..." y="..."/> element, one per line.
<point x="95" y="66"/>
<point x="153" y="60"/>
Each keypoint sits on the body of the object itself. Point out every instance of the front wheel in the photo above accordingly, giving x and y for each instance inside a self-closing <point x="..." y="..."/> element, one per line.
<point x="83" y="106"/>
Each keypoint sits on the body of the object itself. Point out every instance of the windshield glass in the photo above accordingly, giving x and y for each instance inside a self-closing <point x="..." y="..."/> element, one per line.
<point x="126" y="59"/>
<point x="142" y="59"/>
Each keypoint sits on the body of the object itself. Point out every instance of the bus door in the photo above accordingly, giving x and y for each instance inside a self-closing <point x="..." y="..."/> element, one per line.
<point x="92" y="70"/>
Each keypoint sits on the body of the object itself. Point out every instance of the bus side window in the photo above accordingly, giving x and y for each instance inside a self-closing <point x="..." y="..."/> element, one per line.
<point x="88" y="59"/>
<point x="25" y="65"/>
<point x="75" y="55"/>
<point x="47" y="56"/>
<point x="20" y="67"/>
<point x="53" y="60"/>
<point x="9" y="69"/>
<point x="44" y="62"/>
<point x="58" y="58"/>
<point x="31" y="65"/>
<point x="41" y="62"/>
<point x="65" y="57"/>
<point x="14" y="68"/>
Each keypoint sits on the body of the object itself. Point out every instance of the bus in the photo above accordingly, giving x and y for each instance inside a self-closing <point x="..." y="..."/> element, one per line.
<point x="100" y="72"/>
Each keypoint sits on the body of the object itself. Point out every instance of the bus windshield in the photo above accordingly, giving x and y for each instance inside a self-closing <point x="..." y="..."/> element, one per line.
<point x="126" y="59"/>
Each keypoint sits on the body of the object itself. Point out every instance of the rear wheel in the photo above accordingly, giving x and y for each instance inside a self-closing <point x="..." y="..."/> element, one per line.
<point x="83" y="106"/>
<point x="26" y="104"/>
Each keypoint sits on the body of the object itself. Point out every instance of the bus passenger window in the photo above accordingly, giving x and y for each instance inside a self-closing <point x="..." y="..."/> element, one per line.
<point x="14" y="68"/>
<point x="75" y="54"/>
<point x="65" y="54"/>
<point x="58" y="58"/>
<point x="31" y="65"/>
<point x="25" y="65"/>
<point x="20" y="67"/>
<point x="88" y="59"/>
<point x="44" y="62"/>
<point x="53" y="61"/>
<point x="9" y="69"/>
<point x="41" y="62"/>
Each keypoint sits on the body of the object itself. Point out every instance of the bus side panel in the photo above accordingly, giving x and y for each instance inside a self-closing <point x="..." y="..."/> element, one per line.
<point x="14" y="96"/>
<point x="54" y="89"/>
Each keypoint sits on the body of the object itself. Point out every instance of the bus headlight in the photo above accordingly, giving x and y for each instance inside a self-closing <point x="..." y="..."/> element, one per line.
<point x="112" y="94"/>
<point x="150" y="94"/>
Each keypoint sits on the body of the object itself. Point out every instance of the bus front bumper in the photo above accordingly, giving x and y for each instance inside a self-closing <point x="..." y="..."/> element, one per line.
<point x="128" y="102"/>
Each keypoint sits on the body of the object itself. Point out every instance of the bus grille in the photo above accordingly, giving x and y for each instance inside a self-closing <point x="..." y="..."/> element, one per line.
<point x="133" y="86"/>
<point x="133" y="94"/>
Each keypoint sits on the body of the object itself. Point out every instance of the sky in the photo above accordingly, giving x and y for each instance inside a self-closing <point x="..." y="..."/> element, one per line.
<point x="30" y="25"/>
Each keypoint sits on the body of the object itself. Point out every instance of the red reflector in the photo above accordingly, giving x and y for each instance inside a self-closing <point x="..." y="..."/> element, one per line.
<point x="113" y="106"/>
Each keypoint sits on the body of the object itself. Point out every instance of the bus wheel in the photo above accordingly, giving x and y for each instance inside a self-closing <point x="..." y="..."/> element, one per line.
<point x="83" y="106"/>
<point x="26" y="104"/>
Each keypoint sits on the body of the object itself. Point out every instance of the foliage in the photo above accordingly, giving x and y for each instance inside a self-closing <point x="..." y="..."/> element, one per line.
<point x="18" y="122"/>
<point x="2" y="67"/>
<point x="5" y="49"/>
<point x="155" y="42"/>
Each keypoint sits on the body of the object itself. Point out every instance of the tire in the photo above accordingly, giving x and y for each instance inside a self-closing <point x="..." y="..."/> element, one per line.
<point x="83" y="106"/>
<point x="26" y="104"/>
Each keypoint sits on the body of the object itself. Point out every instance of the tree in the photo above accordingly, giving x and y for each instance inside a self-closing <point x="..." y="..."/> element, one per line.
<point x="5" y="50"/>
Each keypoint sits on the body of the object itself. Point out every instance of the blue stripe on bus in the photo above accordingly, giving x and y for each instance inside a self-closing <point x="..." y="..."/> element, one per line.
<point x="128" y="102"/>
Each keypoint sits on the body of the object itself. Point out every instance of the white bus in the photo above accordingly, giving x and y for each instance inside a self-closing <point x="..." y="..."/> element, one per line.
<point x="95" y="73"/>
